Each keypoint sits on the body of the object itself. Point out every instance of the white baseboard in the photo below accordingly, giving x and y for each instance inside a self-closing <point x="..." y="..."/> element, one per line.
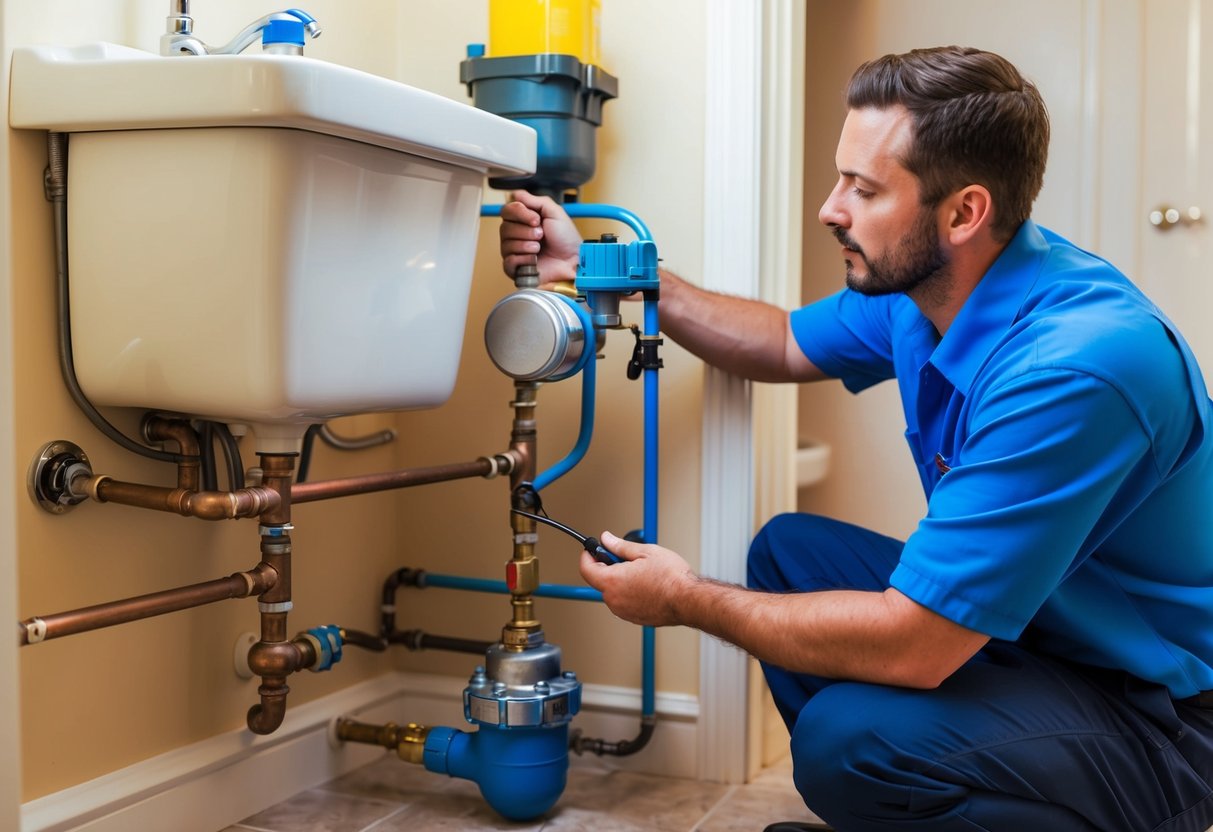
<point x="181" y="789"/>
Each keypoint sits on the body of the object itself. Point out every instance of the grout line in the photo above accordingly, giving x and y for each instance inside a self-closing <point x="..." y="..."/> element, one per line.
<point x="723" y="799"/>
<point x="385" y="818"/>
<point x="368" y="798"/>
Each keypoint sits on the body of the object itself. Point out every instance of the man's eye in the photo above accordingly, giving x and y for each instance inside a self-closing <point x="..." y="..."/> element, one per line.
<point x="862" y="194"/>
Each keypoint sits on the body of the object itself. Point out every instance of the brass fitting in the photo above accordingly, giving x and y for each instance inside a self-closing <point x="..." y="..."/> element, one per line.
<point x="524" y="631"/>
<point x="523" y="575"/>
<point x="411" y="747"/>
<point x="408" y="742"/>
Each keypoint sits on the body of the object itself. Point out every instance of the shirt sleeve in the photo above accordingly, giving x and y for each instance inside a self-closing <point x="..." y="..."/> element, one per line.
<point x="1026" y="500"/>
<point x="847" y="336"/>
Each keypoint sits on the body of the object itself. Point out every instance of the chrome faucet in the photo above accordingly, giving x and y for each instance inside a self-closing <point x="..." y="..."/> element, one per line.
<point x="280" y="32"/>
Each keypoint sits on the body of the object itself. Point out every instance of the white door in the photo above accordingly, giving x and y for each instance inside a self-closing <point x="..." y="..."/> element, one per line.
<point x="1177" y="167"/>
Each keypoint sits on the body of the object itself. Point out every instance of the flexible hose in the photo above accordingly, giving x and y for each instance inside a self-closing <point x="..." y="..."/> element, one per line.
<point x="206" y="454"/>
<point x="231" y="456"/>
<point x="355" y="443"/>
<point x="305" y="452"/>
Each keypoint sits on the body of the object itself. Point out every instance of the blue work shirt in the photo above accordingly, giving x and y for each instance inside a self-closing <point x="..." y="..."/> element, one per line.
<point x="1061" y="429"/>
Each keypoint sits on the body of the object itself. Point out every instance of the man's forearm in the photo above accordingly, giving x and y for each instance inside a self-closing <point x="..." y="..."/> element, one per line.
<point x="879" y="637"/>
<point x="745" y="337"/>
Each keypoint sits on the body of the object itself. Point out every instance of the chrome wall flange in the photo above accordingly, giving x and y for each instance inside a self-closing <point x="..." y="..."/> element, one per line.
<point x="50" y="473"/>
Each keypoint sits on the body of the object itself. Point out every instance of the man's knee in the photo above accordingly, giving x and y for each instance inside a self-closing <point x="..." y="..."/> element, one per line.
<point x="829" y="736"/>
<point x="783" y="536"/>
<point x="855" y="746"/>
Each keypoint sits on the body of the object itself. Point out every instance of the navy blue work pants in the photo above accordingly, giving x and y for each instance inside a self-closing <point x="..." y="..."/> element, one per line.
<point x="1015" y="740"/>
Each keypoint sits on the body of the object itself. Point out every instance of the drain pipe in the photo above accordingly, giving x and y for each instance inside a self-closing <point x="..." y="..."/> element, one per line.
<point x="273" y="658"/>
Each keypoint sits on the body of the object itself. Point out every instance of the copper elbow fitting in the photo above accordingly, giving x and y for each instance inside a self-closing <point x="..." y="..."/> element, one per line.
<point x="277" y="658"/>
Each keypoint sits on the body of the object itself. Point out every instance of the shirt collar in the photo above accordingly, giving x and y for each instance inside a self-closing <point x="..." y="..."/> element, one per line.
<point x="991" y="308"/>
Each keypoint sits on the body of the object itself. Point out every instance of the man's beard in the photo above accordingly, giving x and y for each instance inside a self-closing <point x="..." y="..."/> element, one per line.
<point x="916" y="259"/>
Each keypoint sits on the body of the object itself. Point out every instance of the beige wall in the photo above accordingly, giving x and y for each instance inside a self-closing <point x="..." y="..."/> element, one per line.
<point x="872" y="481"/>
<point x="93" y="703"/>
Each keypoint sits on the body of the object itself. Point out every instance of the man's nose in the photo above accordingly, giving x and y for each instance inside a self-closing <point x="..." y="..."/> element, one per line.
<point x="831" y="213"/>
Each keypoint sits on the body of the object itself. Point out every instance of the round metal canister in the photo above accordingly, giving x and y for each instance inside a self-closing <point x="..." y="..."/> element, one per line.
<point x="533" y="335"/>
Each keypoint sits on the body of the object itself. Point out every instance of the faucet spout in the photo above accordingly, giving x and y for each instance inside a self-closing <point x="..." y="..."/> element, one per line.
<point x="250" y="33"/>
<point x="179" y="38"/>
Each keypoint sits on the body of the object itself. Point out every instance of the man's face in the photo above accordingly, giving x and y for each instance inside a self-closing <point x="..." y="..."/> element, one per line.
<point x="890" y="240"/>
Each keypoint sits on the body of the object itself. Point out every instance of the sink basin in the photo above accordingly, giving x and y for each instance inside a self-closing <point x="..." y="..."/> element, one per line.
<point x="103" y="86"/>
<point x="267" y="240"/>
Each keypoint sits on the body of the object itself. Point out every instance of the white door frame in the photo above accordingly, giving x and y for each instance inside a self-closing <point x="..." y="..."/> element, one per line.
<point x="10" y="735"/>
<point x="753" y="204"/>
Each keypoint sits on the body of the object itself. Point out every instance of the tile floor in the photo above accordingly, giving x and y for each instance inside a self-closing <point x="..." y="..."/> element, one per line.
<point x="391" y="796"/>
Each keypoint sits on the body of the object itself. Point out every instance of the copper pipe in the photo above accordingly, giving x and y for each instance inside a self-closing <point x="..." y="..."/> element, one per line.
<point x="406" y="478"/>
<point x="273" y="658"/>
<point x="239" y="585"/>
<point x="189" y="468"/>
<point x="520" y="631"/>
<point x="523" y="438"/>
<point x="208" y="505"/>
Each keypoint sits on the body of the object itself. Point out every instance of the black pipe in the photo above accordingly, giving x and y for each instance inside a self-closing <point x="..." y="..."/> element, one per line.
<point x="413" y="640"/>
<point x="305" y="451"/>
<point x="363" y="640"/>
<point x="421" y="640"/>
<point x="579" y="744"/>
<point x="231" y="456"/>
<point x="206" y="454"/>
<point x="401" y="577"/>
<point x="418" y="639"/>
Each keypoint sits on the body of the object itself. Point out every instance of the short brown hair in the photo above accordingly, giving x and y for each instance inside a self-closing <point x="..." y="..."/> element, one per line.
<point x="976" y="121"/>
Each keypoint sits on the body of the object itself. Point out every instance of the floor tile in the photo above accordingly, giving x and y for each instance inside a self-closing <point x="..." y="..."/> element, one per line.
<point x="391" y="779"/>
<point x="749" y="808"/>
<point x="620" y="801"/>
<point x="392" y="796"/>
<point x="450" y="811"/>
<point x="316" y="810"/>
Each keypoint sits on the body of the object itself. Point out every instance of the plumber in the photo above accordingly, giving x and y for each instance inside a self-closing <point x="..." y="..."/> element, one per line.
<point x="1039" y="653"/>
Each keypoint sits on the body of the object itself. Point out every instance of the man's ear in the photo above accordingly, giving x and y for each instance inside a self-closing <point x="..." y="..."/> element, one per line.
<point x="965" y="213"/>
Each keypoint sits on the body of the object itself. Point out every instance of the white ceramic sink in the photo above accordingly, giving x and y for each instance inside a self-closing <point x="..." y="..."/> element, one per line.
<point x="269" y="240"/>
<point x="103" y="86"/>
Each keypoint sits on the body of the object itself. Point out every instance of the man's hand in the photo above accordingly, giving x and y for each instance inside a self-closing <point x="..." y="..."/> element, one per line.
<point x="645" y="586"/>
<point x="534" y="229"/>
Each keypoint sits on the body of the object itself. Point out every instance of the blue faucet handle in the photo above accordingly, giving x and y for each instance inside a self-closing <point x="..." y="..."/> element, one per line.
<point x="283" y="31"/>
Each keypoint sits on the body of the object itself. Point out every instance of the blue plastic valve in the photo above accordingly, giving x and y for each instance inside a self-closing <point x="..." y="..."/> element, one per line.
<point x="475" y="50"/>
<point x="609" y="266"/>
<point x="329" y="638"/>
<point x="283" y="31"/>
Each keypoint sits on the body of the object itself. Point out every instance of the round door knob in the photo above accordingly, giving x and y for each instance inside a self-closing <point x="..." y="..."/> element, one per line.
<point x="1165" y="217"/>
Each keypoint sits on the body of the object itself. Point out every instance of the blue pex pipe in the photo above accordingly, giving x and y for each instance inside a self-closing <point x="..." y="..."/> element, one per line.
<point x="590" y="210"/>
<point x="651" y="422"/>
<point x="569" y="593"/>
<point x="586" y="432"/>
